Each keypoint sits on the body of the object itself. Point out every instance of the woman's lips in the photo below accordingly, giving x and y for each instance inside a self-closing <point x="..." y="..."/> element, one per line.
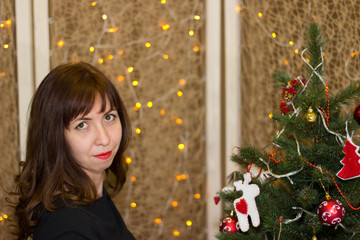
<point x="104" y="155"/>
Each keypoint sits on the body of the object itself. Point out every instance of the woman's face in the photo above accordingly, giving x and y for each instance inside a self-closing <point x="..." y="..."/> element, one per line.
<point x="95" y="138"/>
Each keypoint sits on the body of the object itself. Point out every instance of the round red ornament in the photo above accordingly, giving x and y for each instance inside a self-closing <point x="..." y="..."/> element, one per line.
<point x="229" y="225"/>
<point x="331" y="212"/>
<point x="357" y="114"/>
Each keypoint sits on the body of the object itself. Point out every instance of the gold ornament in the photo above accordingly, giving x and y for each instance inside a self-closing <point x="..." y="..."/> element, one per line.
<point x="310" y="116"/>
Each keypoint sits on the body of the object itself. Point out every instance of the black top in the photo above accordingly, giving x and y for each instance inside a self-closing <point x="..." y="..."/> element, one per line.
<point x="99" y="221"/>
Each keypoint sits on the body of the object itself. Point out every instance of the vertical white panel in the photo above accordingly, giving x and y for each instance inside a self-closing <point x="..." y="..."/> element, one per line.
<point x="213" y="104"/>
<point x="41" y="39"/>
<point x="24" y="65"/>
<point x="232" y="86"/>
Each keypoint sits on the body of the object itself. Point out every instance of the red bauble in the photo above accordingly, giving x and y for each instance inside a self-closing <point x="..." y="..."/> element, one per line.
<point x="331" y="212"/>
<point x="357" y="114"/>
<point x="229" y="225"/>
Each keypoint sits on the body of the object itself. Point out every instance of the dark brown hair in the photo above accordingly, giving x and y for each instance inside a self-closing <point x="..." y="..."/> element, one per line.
<point x="49" y="171"/>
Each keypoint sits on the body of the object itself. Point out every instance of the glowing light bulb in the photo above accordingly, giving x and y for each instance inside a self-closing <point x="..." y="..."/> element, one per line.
<point x="174" y="203"/>
<point x="149" y="104"/>
<point x="138" y="131"/>
<point x="121" y="52"/>
<point x="197" y="17"/>
<point x="182" y="82"/>
<point x="136" y="108"/>
<point x="5" y="216"/>
<point x="6" y="46"/>
<point x="8" y="22"/>
<point x="291" y="43"/>
<point x="179" y="93"/>
<point x="181" y="146"/>
<point x="133" y="179"/>
<point x="271" y="115"/>
<point x="286" y="62"/>
<point x="166" y="56"/>
<point x="93" y="4"/>
<point x="128" y="160"/>
<point x="178" y="121"/>
<point x="147" y="44"/>
<point x="238" y="9"/>
<point x="1" y="219"/>
<point x="2" y="25"/>
<point x="260" y="15"/>
<point x="188" y="223"/>
<point x="163" y="1"/>
<point x="110" y="57"/>
<point x="158" y="220"/>
<point x="197" y="196"/>
<point x="191" y="33"/>
<point x="120" y="78"/>
<point x="135" y="83"/>
<point x="133" y="205"/>
<point x="353" y="54"/>
<point x="296" y="51"/>
<point x="60" y="43"/>
<point x="165" y="27"/>
<point x="176" y="233"/>
<point x="138" y="105"/>
<point x="92" y="49"/>
<point x="104" y="16"/>
<point x="3" y="74"/>
<point x="101" y="61"/>
<point x="178" y="177"/>
<point x="196" y="49"/>
<point x="162" y="112"/>
<point x="308" y="60"/>
<point x="273" y="35"/>
<point x="130" y="69"/>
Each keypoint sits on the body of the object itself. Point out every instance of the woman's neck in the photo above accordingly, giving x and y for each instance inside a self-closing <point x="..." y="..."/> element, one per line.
<point x="98" y="180"/>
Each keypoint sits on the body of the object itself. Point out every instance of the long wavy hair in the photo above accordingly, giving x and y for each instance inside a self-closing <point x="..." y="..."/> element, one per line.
<point x="49" y="171"/>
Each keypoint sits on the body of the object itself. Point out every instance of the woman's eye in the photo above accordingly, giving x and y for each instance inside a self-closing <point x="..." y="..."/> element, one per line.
<point x="81" y="125"/>
<point x="110" y="117"/>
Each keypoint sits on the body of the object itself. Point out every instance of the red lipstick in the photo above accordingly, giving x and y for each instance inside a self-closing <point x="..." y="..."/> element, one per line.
<point x="104" y="155"/>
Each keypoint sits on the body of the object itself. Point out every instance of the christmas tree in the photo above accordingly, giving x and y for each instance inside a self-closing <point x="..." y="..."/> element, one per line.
<point x="307" y="186"/>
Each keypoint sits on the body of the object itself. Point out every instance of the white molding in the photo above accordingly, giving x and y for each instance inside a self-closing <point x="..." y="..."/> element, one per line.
<point x="233" y="79"/>
<point x="25" y="72"/>
<point x="41" y="39"/>
<point x="213" y="105"/>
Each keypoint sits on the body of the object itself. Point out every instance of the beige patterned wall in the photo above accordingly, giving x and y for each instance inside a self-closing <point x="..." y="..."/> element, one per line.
<point x="173" y="62"/>
<point x="8" y="108"/>
<point x="263" y="55"/>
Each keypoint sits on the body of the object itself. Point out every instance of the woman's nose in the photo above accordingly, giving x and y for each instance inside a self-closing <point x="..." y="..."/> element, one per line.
<point x="102" y="137"/>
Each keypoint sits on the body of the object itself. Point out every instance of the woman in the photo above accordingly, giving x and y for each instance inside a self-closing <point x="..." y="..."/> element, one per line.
<point x="77" y="134"/>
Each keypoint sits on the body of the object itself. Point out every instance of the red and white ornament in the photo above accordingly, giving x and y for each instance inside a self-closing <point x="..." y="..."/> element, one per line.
<point x="331" y="212"/>
<point x="229" y="225"/>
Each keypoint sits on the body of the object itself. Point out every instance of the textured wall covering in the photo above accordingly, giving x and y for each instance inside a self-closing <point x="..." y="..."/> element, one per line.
<point x="8" y="108"/>
<point x="263" y="55"/>
<point x="119" y="40"/>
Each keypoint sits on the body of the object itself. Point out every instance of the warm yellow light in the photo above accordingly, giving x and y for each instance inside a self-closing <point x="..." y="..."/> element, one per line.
<point x="5" y="216"/>
<point x="178" y="177"/>
<point x="191" y="33"/>
<point x="149" y="104"/>
<point x="323" y="54"/>
<point x="3" y="74"/>
<point x="165" y="27"/>
<point x="110" y="57"/>
<point x="6" y="46"/>
<point x="162" y="112"/>
<point x="92" y="49"/>
<point x="178" y="121"/>
<point x="308" y="60"/>
<point x="188" y="223"/>
<point x="113" y="29"/>
<point x="197" y="196"/>
<point x="138" y="105"/>
<point x="147" y="44"/>
<point x="120" y="78"/>
<point x="291" y="43"/>
<point x="166" y="56"/>
<point x="196" y="48"/>
<point x="197" y="17"/>
<point x="8" y="22"/>
<point x="296" y="51"/>
<point x="179" y="93"/>
<point x="136" y="108"/>
<point x="271" y="115"/>
<point x="1" y="219"/>
<point x="133" y="179"/>
<point x="128" y="160"/>
<point x="104" y="17"/>
<point x="138" y="131"/>
<point x="130" y="69"/>
<point x="133" y="205"/>
<point x="176" y="233"/>
<point x="93" y="4"/>
<point x="174" y="203"/>
<point x="158" y="220"/>
<point x="2" y="25"/>
<point x="260" y="15"/>
<point x="238" y="9"/>
<point x="163" y="1"/>
<point x="273" y="35"/>
<point x="181" y="146"/>
<point x="353" y="54"/>
<point x="182" y="82"/>
<point x="121" y="52"/>
<point x="60" y="43"/>
<point x="286" y="62"/>
<point x="101" y="60"/>
<point x="135" y="83"/>
<point x="183" y="176"/>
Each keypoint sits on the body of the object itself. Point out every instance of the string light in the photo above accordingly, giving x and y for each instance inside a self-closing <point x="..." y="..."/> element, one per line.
<point x="147" y="44"/>
<point x="101" y="61"/>
<point x="178" y="177"/>
<point x="104" y="16"/>
<point x="162" y="112"/>
<point x="196" y="48"/>
<point x="120" y="78"/>
<point x="178" y="121"/>
<point x="93" y="4"/>
<point x="135" y="83"/>
<point x="291" y="43"/>
<point x="163" y="1"/>
<point x="353" y="54"/>
<point x="110" y="57"/>
<point x="286" y="62"/>
<point x="149" y="104"/>
<point x="260" y="15"/>
<point x="238" y="9"/>
<point x="8" y="22"/>
<point x="273" y="35"/>
<point x="133" y="179"/>
<point x="92" y="49"/>
<point x="182" y="82"/>
<point x="121" y="52"/>
<point x="133" y="205"/>
<point x="296" y="51"/>
<point x="188" y="223"/>
<point x="179" y="93"/>
<point x="183" y="176"/>
<point x="138" y="131"/>
<point x="165" y="27"/>
<point x="128" y="160"/>
<point x="191" y="33"/>
<point x="176" y="233"/>
<point x="174" y="203"/>
<point x="181" y="146"/>
<point x="60" y="43"/>
<point x="3" y="74"/>
<point x="138" y="105"/>
<point x="6" y="46"/>
<point x="197" y="196"/>
<point x="197" y="17"/>
<point x="158" y="220"/>
<point x="130" y="69"/>
<point x="166" y="56"/>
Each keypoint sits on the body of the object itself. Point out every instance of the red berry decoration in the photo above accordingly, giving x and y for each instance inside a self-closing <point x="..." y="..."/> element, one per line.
<point x="331" y="212"/>
<point x="357" y="114"/>
<point x="229" y="225"/>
